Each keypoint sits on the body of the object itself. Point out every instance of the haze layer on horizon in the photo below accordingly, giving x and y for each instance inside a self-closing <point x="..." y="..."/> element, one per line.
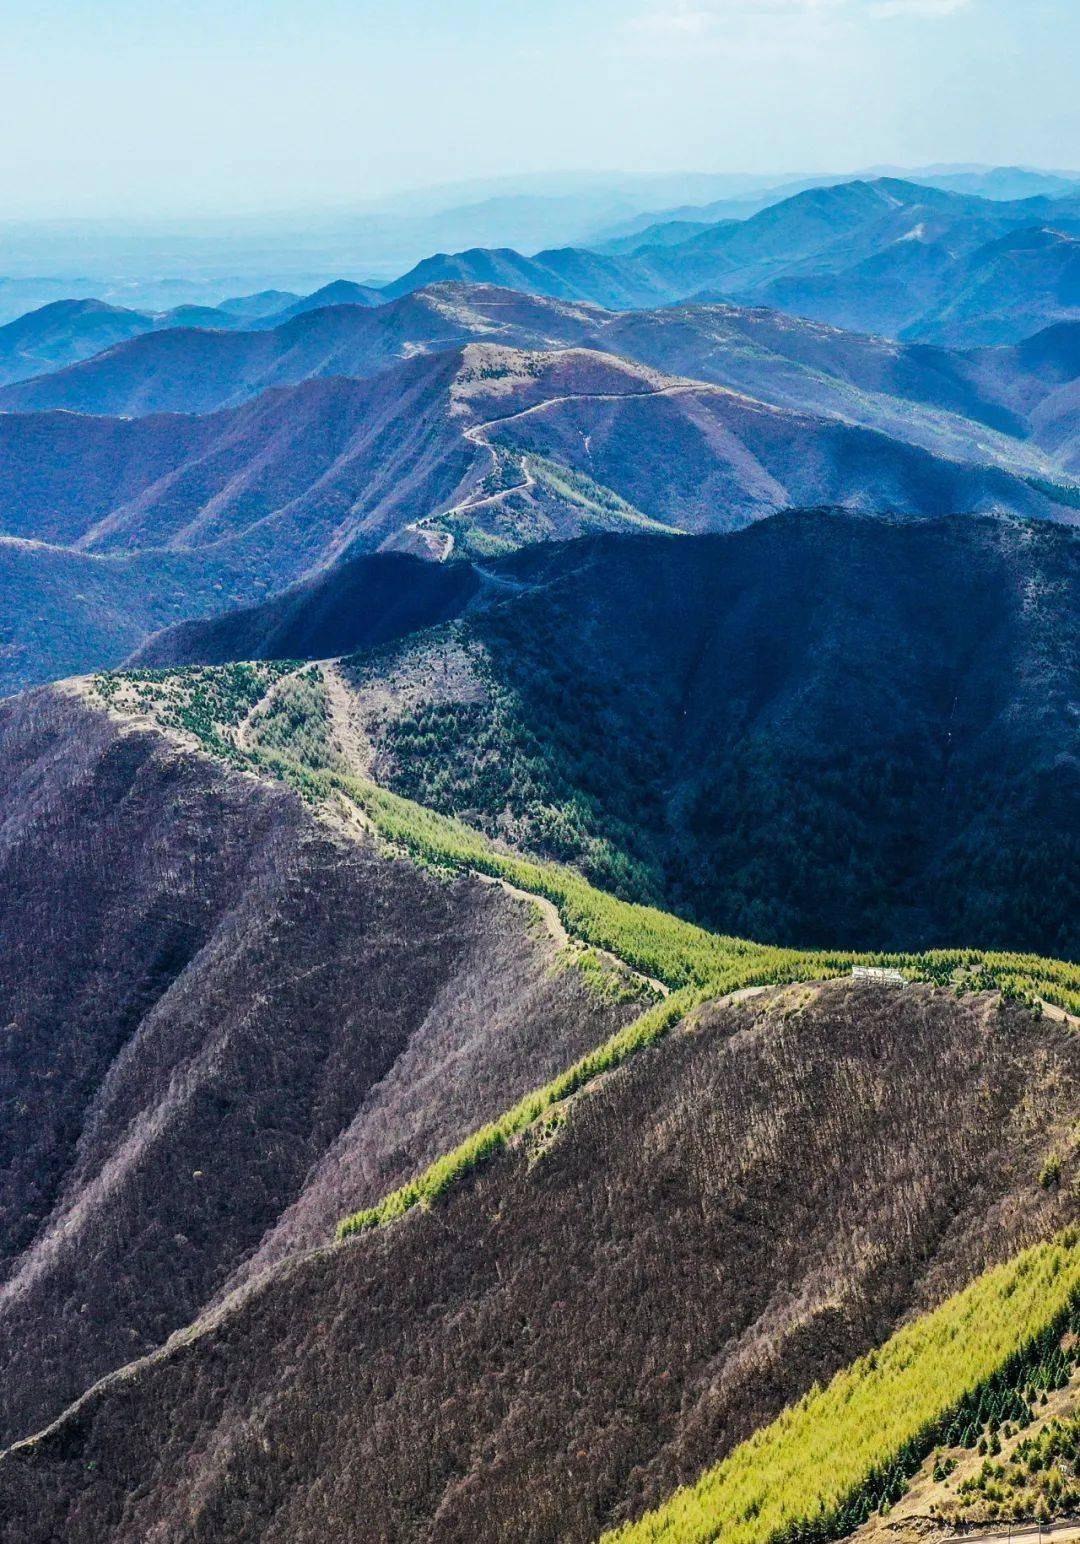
<point x="118" y="109"/>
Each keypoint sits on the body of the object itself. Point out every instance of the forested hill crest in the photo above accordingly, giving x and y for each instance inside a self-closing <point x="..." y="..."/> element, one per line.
<point x="692" y="720"/>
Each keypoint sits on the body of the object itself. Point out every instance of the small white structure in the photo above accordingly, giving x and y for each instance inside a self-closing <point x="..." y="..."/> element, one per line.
<point x="879" y="973"/>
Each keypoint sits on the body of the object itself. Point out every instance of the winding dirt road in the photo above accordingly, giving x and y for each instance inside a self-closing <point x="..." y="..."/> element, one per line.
<point x="476" y="433"/>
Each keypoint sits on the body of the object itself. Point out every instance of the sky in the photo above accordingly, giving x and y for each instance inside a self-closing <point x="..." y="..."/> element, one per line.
<point x="120" y="107"/>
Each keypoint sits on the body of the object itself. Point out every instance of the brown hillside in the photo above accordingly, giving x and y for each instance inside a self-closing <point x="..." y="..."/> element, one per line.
<point x="597" y="1314"/>
<point x="223" y="1022"/>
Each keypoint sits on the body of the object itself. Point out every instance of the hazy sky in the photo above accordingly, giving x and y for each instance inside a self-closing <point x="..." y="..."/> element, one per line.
<point x="116" y="106"/>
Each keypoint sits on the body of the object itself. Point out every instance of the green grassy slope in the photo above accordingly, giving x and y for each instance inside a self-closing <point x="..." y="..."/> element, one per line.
<point x="818" y="1470"/>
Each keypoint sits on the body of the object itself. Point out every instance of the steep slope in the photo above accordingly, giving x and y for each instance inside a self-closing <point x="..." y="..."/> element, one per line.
<point x="965" y="1375"/>
<point x="701" y="459"/>
<point x="693" y="721"/>
<point x="1038" y="381"/>
<point x="793" y="361"/>
<point x="219" y="1011"/>
<point x="920" y="288"/>
<point x="181" y="517"/>
<point x="331" y="1018"/>
<point x="599" y="1314"/>
<point x="177" y="370"/>
<point x="63" y="612"/>
<point x="664" y="233"/>
<point x="294" y="475"/>
<point x="886" y="255"/>
<point x="732" y="254"/>
<point x="360" y="603"/>
<point x="1011" y="288"/>
<point x="887" y="292"/>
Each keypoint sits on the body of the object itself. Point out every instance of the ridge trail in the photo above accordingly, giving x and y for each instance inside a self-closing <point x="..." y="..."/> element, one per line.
<point x="240" y="733"/>
<point x="476" y="433"/>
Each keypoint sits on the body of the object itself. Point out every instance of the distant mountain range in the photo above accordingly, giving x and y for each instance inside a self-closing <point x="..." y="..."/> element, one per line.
<point x="192" y="470"/>
<point x="66" y="331"/>
<point x="997" y="182"/>
<point x="886" y="256"/>
<point x="157" y="466"/>
<point x="193" y="370"/>
<point x="891" y="257"/>
<point x="155" y="265"/>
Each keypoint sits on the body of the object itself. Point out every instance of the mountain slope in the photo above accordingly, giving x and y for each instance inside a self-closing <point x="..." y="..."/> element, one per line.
<point x="263" y="303"/>
<point x="736" y="702"/>
<point x="567" y="273"/>
<point x="892" y="257"/>
<point x="320" y="458"/>
<point x="60" y="333"/>
<point x="68" y="331"/>
<point x="883" y="255"/>
<point x="814" y="228"/>
<point x="219" y="1028"/>
<point x="1006" y="183"/>
<point x="149" y="521"/>
<point x="484" y="448"/>
<point x="63" y="612"/>
<point x="790" y="362"/>
<point x="713" y="1275"/>
<point x="918" y="288"/>
<point x="720" y="1224"/>
<point x="701" y="459"/>
<point x="342" y="292"/>
<point x="360" y="603"/>
<point x="1011" y="287"/>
